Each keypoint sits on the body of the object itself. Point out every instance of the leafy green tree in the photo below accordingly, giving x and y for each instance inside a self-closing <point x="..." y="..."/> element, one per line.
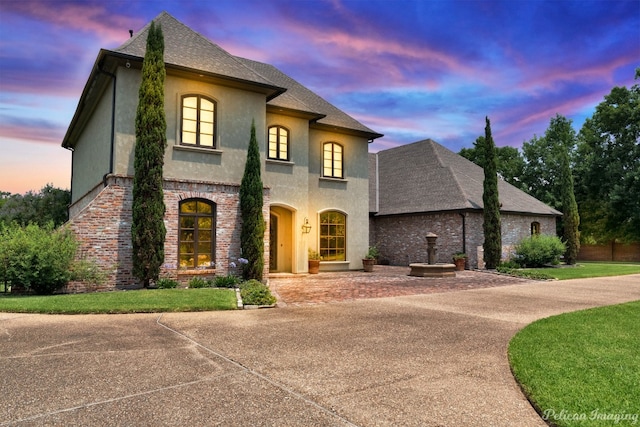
<point x="608" y="168"/>
<point x="251" y="202"/>
<point x="491" y="226"/>
<point x="49" y="205"/>
<point x="147" y="224"/>
<point x="510" y="163"/>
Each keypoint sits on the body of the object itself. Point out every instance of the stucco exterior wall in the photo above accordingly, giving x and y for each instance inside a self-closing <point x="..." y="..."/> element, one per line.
<point x="295" y="188"/>
<point x="235" y="110"/>
<point x="92" y="152"/>
<point x="349" y="195"/>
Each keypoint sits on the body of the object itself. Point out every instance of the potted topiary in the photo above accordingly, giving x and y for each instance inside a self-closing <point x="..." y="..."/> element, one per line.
<point x="460" y="260"/>
<point x="314" y="262"/>
<point x="370" y="259"/>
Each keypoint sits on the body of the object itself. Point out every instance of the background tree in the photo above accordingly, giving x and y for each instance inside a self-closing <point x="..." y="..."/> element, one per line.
<point x="491" y="226"/>
<point x="50" y="205"/>
<point x="251" y="203"/>
<point x="510" y="164"/>
<point x="608" y="168"/>
<point x="147" y="224"/>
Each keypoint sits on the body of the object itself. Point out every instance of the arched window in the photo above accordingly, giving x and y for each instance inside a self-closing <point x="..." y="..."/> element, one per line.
<point x="196" y="233"/>
<point x="198" y="121"/>
<point x="278" y="143"/>
<point x="333" y="236"/>
<point x="332" y="159"/>
<point x="535" y="228"/>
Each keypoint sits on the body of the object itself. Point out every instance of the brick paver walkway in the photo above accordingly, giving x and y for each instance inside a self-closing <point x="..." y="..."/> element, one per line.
<point x="385" y="281"/>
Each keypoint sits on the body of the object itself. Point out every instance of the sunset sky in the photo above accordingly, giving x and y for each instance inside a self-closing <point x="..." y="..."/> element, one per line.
<point x="408" y="69"/>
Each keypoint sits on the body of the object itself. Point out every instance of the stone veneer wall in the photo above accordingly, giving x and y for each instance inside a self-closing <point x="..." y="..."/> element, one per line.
<point x="401" y="239"/>
<point x="103" y="227"/>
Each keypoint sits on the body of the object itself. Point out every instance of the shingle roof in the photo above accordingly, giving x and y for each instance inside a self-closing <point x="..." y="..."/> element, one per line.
<point x="426" y="177"/>
<point x="186" y="48"/>
<point x="298" y="97"/>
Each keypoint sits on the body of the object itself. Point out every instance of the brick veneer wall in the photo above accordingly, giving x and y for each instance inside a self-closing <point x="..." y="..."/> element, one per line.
<point x="401" y="239"/>
<point x="103" y="227"/>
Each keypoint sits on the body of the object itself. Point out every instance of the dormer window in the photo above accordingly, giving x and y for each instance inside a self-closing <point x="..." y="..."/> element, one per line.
<point x="198" y="121"/>
<point x="278" y="143"/>
<point x="332" y="160"/>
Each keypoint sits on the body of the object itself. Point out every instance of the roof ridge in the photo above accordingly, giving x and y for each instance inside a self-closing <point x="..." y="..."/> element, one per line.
<point x="437" y="153"/>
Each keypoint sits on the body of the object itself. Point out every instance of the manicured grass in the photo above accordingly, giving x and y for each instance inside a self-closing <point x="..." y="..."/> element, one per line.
<point x="582" y="368"/>
<point x="589" y="269"/>
<point x="138" y="301"/>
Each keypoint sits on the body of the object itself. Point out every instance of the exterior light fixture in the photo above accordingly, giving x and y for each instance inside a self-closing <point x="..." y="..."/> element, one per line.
<point x="306" y="228"/>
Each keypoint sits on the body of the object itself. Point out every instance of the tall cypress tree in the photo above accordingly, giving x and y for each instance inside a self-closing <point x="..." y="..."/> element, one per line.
<point x="491" y="226"/>
<point x="147" y="223"/>
<point x="253" y="227"/>
<point x="570" y="216"/>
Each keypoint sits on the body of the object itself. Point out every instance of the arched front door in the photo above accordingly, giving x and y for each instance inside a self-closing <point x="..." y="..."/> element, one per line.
<point x="280" y="240"/>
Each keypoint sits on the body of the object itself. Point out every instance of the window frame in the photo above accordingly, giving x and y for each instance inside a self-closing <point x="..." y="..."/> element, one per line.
<point x="278" y="143"/>
<point x="198" y="120"/>
<point x="196" y="231"/>
<point x="535" y="228"/>
<point x="327" y="250"/>
<point x="332" y="160"/>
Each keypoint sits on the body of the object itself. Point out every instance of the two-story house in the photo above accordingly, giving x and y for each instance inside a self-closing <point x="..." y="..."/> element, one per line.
<point x="314" y="161"/>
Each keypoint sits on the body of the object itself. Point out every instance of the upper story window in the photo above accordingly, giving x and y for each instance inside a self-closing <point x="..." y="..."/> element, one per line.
<point x="196" y="233"/>
<point x="278" y="143"/>
<point x="198" y="121"/>
<point x="332" y="159"/>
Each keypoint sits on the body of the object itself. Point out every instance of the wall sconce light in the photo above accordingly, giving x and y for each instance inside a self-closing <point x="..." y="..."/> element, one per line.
<point x="306" y="228"/>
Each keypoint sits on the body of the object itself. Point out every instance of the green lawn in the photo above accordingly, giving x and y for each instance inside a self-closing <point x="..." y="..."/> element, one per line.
<point x="587" y="269"/>
<point x="582" y="368"/>
<point x="138" y="301"/>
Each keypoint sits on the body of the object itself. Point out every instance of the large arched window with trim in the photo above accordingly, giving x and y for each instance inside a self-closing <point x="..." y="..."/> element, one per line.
<point x="196" y="233"/>
<point x="333" y="236"/>
<point x="278" y="143"/>
<point x="332" y="160"/>
<point x="198" y="121"/>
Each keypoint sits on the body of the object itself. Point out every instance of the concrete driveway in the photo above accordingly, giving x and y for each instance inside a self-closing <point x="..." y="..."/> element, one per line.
<point x="422" y="360"/>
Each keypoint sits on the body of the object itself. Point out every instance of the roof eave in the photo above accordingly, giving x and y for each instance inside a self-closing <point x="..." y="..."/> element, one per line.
<point x="92" y="81"/>
<point x="370" y="135"/>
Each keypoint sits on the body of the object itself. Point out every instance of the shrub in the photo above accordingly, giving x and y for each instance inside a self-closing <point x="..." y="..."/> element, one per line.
<point x="166" y="283"/>
<point x="40" y="259"/>
<point x="226" y="281"/>
<point x="507" y="265"/>
<point x="256" y="293"/>
<point x="527" y="274"/>
<point x="199" y="282"/>
<point x="539" y="250"/>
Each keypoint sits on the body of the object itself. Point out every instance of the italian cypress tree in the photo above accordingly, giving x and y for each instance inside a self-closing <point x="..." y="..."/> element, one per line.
<point x="570" y="216"/>
<point x="491" y="226"/>
<point x="147" y="223"/>
<point x="253" y="227"/>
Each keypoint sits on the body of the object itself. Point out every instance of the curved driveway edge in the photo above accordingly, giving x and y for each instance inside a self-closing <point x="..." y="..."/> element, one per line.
<point x="420" y="360"/>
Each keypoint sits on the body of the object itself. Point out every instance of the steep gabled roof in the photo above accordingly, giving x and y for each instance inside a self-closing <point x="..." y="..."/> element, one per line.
<point x="188" y="49"/>
<point x="427" y="177"/>
<point x="298" y="97"/>
<point x="183" y="47"/>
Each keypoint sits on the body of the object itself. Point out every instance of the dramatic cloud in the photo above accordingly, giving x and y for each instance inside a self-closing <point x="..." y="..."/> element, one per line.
<point x="409" y="69"/>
